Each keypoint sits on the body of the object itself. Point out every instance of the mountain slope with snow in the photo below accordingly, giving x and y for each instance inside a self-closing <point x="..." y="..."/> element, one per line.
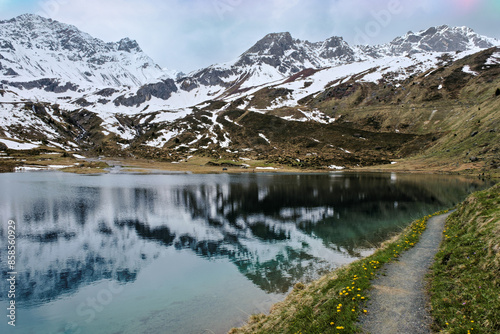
<point x="33" y="47"/>
<point x="63" y="88"/>
<point x="440" y="39"/>
<point x="44" y="60"/>
<point x="278" y="56"/>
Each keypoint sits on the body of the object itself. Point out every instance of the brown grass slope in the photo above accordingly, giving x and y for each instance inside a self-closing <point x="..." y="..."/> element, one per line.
<point x="464" y="114"/>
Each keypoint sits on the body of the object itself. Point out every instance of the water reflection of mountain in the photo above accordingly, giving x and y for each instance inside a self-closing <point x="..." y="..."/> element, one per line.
<point x="276" y="229"/>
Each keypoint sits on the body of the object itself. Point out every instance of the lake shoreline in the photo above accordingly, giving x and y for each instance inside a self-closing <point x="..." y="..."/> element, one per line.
<point x="266" y="232"/>
<point x="483" y="203"/>
<point x="338" y="299"/>
<point x="205" y="165"/>
<point x="200" y="165"/>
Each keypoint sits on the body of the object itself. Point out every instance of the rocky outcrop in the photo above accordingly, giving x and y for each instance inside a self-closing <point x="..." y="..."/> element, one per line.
<point x="49" y="85"/>
<point x="128" y="45"/>
<point x="106" y="92"/>
<point x="162" y="90"/>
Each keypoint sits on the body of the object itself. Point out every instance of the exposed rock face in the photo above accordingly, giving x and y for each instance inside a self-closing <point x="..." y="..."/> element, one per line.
<point x="162" y="90"/>
<point x="128" y="45"/>
<point x="273" y="44"/>
<point x="211" y="76"/>
<point x="187" y="84"/>
<point x="106" y="92"/>
<point x="291" y="55"/>
<point x="49" y="85"/>
<point x="336" y="47"/>
<point x="10" y="72"/>
<point x="6" y="45"/>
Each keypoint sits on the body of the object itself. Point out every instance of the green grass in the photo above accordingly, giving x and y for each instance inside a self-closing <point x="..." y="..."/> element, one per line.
<point x="465" y="283"/>
<point x="333" y="303"/>
<point x="224" y="163"/>
<point x="86" y="167"/>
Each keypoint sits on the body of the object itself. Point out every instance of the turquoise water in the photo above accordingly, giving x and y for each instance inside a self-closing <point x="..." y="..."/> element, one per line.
<point x="191" y="253"/>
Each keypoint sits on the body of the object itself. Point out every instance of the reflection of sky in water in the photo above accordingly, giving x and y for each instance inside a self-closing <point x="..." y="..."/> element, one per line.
<point x="179" y="244"/>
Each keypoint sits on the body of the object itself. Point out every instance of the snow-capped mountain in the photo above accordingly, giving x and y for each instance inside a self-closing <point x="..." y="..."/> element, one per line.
<point x="438" y="39"/>
<point x="73" y="91"/>
<point x="279" y="55"/>
<point x="274" y="57"/>
<point x="33" y="48"/>
<point x="40" y="56"/>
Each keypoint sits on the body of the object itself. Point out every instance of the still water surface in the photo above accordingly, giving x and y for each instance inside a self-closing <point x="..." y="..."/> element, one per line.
<point x="191" y="253"/>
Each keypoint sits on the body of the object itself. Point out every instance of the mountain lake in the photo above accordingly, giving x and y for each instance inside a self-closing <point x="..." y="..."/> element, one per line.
<point x="187" y="253"/>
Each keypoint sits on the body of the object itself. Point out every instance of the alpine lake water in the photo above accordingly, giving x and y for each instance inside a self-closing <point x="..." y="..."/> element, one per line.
<point x="124" y="253"/>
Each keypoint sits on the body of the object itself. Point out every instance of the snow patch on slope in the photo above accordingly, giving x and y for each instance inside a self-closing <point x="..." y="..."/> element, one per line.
<point x="265" y="138"/>
<point x="467" y="69"/>
<point x="494" y="59"/>
<point x="14" y="145"/>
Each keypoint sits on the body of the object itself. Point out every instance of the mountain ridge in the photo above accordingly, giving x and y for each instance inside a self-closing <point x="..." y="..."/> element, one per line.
<point x="123" y="63"/>
<point x="279" y="55"/>
<point x="38" y="47"/>
<point x="128" y="105"/>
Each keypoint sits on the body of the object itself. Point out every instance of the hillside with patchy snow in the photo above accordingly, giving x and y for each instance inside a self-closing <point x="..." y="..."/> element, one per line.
<point x="62" y="88"/>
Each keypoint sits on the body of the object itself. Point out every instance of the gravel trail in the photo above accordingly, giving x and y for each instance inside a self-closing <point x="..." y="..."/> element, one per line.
<point x="398" y="302"/>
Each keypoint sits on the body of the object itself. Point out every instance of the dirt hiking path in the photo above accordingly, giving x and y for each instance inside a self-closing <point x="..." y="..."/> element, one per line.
<point x="398" y="301"/>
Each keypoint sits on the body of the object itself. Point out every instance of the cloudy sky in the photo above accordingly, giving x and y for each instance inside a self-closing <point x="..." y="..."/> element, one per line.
<point x="190" y="34"/>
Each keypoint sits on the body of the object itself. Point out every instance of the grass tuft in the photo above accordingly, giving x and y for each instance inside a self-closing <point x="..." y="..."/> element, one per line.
<point x="465" y="287"/>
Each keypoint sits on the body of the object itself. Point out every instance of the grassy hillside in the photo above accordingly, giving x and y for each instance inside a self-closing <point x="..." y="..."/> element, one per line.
<point x="461" y="110"/>
<point x="466" y="275"/>
<point x="445" y="119"/>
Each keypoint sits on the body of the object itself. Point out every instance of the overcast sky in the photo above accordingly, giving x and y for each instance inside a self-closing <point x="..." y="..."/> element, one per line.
<point x="189" y="34"/>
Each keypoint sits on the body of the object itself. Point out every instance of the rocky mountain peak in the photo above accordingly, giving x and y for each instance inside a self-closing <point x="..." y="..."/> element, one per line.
<point x="278" y="55"/>
<point x="440" y="39"/>
<point x="272" y="44"/>
<point x="34" y="31"/>
<point x="334" y="42"/>
<point x="336" y="48"/>
<point x="128" y="45"/>
<point x="289" y="55"/>
<point x="28" y="19"/>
